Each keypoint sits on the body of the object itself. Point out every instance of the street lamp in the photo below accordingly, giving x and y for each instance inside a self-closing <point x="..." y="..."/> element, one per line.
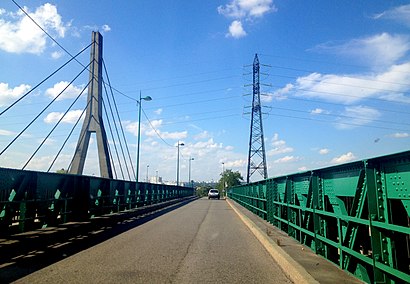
<point x="223" y="179"/>
<point x="189" y="178"/>
<point x="147" y="173"/>
<point x="147" y="98"/>
<point x="179" y="144"/>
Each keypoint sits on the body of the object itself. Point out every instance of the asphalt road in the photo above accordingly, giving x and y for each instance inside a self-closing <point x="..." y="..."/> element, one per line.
<point x="201" y="242"/>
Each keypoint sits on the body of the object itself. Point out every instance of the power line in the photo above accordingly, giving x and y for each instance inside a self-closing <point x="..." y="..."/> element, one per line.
<point x="155" y="130"/>
<point x="322" y="62"/>
<point x="344" y="123"/>
<point x="345" y="85"/>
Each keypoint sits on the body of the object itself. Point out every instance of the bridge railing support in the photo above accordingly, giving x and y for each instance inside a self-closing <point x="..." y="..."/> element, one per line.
<point x="355" y="215"/>
<point x="31" y="200"/>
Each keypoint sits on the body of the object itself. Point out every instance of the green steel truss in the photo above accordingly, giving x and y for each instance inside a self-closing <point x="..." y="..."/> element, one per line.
<point x="30" y="200"/>
<point x="355" y="215"/>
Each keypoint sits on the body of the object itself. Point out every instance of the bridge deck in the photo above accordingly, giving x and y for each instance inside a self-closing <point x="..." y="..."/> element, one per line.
<point x="201" y="242"/>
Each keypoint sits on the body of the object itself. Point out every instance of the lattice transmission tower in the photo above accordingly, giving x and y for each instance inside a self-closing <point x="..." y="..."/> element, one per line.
<point x="257" y="155"/>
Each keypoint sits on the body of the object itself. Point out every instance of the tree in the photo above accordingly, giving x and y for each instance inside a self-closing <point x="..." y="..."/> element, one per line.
<point x="229" y="179"/>
<point x="62" y="171"/>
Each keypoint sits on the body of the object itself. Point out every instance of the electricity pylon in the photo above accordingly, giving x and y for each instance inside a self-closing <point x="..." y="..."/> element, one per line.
<point x="257" y="155"/>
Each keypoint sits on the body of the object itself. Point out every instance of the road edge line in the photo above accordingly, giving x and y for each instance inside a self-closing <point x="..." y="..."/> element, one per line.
<point x="290" y="267"/>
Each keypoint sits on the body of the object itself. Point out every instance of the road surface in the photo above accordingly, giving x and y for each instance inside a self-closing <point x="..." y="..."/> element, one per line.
<point x="201" y="242"/>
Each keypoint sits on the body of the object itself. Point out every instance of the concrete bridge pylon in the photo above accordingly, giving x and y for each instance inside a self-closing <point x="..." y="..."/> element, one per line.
<point x="93" y="122"/>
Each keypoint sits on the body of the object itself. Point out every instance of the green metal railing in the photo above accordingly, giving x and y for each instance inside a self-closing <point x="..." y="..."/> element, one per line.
<point x="355" y="215"/>
<point x="31" y="200"/>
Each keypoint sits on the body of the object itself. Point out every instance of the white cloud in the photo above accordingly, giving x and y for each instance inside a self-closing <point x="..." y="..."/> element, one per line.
<point x="400" y="14"/>
<point x="279" y="94"/>
<point x="202" y="135"/>
<point x="286" y="159"/>
<point x="236" y="30"/>
<point x="48" y="142"/>
<point x="356" y="116"/>
<point x="400" y="135"/>
<point x="324" y="151"/>
<point x="9" y="95"/>
<point x="71" y="91"/>
<point x="4" y="132"/>
<point x="71" y="117"/>
<point x="56" y="54"/>
<point x="378" y="50"/>
<point x="170" y="135"/>
<point x="158" y="111"/>
<point x="349" y="89"/>
<point x="317" y="111"/>
<point x="279" y="146"/>
<point x="343" y="158"/>
<point x="247" y="8"/>
<point x="21" y="35"/>
<point x="229" y="148"/>
<point x="235" y="164"/>
<point x="106" y="28"/>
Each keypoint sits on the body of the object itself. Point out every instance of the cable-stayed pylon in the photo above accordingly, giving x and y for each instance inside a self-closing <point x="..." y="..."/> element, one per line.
<point x="93" y="122"/>
<point x="257" y="155"/>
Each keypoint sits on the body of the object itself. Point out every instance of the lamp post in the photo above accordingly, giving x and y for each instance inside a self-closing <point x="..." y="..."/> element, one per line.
<point x="179" y="144"/>
<point x="147" y="173"/>
<point x="147" y="98"/>
<point x="189" y="175"/>
<point x="223" y="179"/>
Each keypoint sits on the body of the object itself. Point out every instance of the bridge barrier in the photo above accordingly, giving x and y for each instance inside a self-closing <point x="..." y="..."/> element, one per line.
<point x="31" y="200"/>
<point x="355" y="215"/>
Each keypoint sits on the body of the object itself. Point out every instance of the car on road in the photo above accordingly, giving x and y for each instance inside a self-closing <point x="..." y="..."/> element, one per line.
<point x="213" y="193"/>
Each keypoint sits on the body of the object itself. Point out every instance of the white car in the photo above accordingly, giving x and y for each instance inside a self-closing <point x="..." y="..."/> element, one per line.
<point x="213" y="193"/>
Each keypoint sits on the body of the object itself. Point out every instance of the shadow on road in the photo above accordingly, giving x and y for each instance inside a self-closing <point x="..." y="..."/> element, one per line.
<point x="26" y="253"/>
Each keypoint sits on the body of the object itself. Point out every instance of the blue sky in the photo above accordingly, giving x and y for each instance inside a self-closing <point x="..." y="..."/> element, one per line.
<point x="338" y="80"/>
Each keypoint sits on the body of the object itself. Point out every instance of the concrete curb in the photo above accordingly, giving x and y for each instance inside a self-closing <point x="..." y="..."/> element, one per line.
<point x="292" y="269"/>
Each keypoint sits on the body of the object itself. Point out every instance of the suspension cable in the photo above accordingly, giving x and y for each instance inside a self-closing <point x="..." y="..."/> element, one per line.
<point x="55" y="126"/>
<point x="119" y="119"/>
<point x="69" y="135"/>
<point x="115" y="146"/>
<point x="116" y="130"/>
<point x="112" y="160"/>
<point x="78" y="75"/>
<point x="48" y="77"/>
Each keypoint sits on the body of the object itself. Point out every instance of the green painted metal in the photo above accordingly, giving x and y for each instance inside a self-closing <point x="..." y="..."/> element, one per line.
<point x="30" y="200"/>
<point x="356" y="215"/>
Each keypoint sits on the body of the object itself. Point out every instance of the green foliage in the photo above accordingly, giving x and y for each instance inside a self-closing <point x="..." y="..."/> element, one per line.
<point x="62" y="171"/>
<point x="203" y="190"/>
<point x="229" y="179"/>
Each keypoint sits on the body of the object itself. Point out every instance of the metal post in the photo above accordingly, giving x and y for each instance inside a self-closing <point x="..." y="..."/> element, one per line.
<point x="137" y="166"/>
<point x="223" y="179"/>
<point x="189" y="174"/>
<point x="179" y="144"/>
<point x="138" y="140"/>
<point x="147" y="173"/>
